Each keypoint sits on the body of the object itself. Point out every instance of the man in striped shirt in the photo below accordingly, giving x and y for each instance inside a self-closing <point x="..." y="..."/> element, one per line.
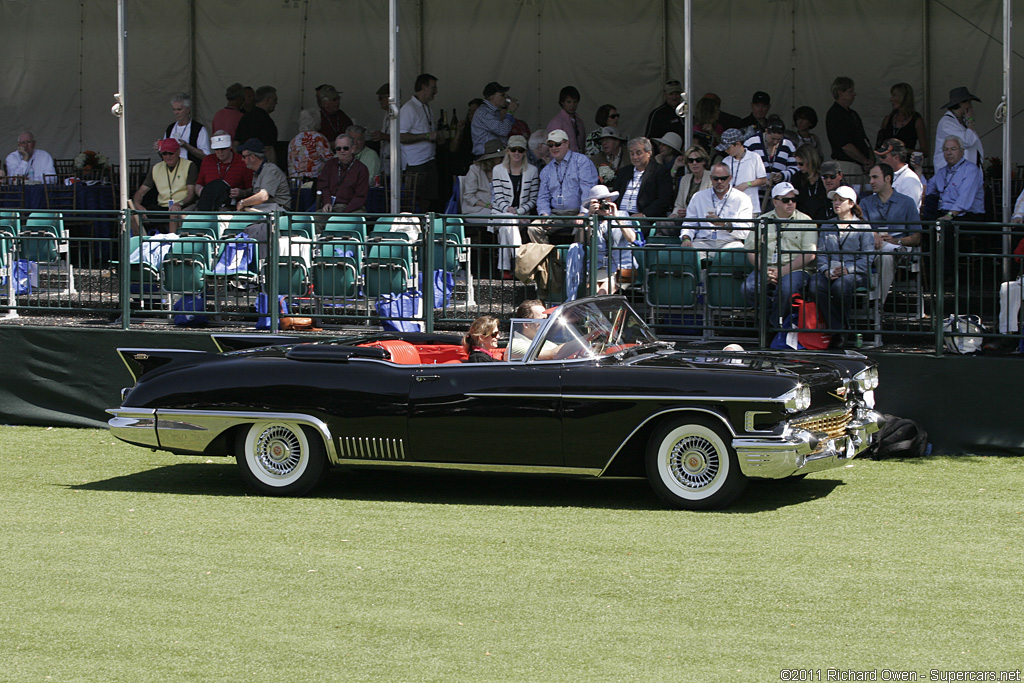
<point x="564" y="184"/>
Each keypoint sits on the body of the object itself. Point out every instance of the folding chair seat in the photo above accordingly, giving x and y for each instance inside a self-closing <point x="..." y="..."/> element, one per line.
<point x="387" y="268"/>
<point x="345" y="224"/>
<point x="670" y="282"/>
<point x="335" y="271"/>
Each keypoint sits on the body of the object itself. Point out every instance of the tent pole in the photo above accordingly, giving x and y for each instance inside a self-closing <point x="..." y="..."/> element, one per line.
<point x="396" y="151"/>
<point x="1007" y="109"/>
<point x="118" y="108"/>
<point x="687" y="72"/>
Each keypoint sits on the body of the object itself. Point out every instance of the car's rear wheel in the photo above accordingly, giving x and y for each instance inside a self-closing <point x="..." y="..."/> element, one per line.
<point x="691" y="465"/>
<point x="281" y="458"/>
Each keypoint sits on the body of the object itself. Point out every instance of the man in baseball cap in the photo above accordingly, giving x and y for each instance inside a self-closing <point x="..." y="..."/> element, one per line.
<point x="791" y="250"/>
<point x="223" y="175"/>
<point x="493" y="120"/>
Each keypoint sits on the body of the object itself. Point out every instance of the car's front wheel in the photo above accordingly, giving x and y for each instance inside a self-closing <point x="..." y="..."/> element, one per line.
<point x="281" y="458"/>
<point x="691" y="465"/>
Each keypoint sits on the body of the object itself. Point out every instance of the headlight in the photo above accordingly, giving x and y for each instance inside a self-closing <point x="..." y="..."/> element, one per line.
<point x="798" y="398"/>
<point x="867" y="379"/>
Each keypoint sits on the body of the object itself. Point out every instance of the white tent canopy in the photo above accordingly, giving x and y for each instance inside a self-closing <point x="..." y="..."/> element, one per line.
<point x="62" y="58"/>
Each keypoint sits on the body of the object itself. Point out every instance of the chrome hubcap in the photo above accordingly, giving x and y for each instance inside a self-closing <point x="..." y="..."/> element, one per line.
<point x="278" y="451"/>
<point x="694" y="462"/>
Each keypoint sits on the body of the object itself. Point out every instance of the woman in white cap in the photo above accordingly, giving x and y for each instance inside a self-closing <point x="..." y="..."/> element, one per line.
<point x="845" y="255"/>
<point x="514" y="185"/>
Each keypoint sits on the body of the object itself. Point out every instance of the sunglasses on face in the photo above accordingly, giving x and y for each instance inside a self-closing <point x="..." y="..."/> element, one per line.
<point x="613" y="116"/>
<point x="720" y="178"/>
<point x="697" y="160"/>
<point x="342" y="149"/>
<point x="555" y="144"/>
<point x="787" y="200"/>
<point x="517" y="150"/>
<point x="830" y="177"/>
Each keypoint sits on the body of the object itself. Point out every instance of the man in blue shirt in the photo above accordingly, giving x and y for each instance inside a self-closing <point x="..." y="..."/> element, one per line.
<point x="957" y="189"/>
<point x="493" y="120"/>
<point x="889" y="212"/>
<point x="564" y="184"/>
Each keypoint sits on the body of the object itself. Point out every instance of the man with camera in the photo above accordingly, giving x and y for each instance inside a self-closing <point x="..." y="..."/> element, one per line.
<point x="493" y="120"/>
<point x="613" y="237"/>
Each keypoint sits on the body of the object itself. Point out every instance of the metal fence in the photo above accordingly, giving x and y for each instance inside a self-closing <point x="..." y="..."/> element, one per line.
<point x="440" y="272"/>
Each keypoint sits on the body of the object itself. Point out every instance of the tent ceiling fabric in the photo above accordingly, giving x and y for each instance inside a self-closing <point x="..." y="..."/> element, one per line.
<point x="62" y="58"/>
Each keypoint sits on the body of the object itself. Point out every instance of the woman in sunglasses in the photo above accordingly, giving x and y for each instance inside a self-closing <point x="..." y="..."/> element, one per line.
<point x="812" y="198"/>
<point x="481" y="342"/>
<point x="514" y="183"/>
<point x="697" y="178"/>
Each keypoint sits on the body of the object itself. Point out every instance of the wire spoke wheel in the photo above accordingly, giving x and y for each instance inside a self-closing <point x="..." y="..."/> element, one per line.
<point x="280" y="458"/>
<point x="691" y="465"/>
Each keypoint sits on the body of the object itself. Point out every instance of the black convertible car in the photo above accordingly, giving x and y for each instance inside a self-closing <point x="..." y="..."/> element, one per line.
<point x="611" y="400"/>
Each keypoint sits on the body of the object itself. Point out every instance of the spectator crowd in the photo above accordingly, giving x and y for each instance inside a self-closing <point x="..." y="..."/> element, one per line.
<point x="851" y="200"/>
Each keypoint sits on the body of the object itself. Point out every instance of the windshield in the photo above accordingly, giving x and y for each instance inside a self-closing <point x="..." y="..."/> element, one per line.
<point x="589" y="328"/>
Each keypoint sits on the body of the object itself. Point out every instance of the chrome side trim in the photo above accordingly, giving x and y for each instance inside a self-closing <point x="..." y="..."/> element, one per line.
<point x="475" y="467"/>
<point x="631" y="397"/>
<point x="193" y="430"/>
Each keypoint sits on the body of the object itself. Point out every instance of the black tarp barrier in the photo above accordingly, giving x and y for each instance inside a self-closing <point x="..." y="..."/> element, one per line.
<point x="68" y="377"/>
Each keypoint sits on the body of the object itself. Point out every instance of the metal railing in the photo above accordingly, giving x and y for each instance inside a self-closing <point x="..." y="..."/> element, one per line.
<point x="368" y="270"/>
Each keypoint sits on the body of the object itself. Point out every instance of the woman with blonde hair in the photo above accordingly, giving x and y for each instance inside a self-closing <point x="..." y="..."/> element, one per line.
<point x="481" y="341"/>
<point x="904" y="123"/>
<point x="697" y="178"/>
<point x="515" y="183"/>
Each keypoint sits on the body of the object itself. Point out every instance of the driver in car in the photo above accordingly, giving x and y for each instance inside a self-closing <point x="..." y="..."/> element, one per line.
<point x="522" y="336"/>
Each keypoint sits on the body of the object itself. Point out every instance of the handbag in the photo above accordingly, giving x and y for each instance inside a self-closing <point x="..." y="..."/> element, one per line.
<point x="963" y="333"/>
<point x="808" y="321"/>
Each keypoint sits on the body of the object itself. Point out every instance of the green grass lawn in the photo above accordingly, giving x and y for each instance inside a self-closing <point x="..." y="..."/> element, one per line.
<point x="120" y="564"/>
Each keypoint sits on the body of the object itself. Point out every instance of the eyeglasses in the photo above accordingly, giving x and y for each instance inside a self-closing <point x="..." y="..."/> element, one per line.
<point x="168" y="154"/>
<point x="613" y="116"/>
<point x="556" y="144"/>
<point x="721" y="178"/>
<point x="696" y="160"/>
<point x="517" y="150"/>
<point x="832" y="176"/>
<point x="342" y="149"/>
<point x="787" y="200"/>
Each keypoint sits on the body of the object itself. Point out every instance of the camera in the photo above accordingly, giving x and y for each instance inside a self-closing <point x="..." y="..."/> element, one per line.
<point x="604" y="205"/>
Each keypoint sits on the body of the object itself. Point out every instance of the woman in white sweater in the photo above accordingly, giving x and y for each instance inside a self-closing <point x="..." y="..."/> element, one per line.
<point x="515" y="183"/>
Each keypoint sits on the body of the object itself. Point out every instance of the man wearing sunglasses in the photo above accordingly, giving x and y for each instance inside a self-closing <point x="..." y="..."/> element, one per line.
<point x="720" y="214"/>
<point x="344" y="181"/>
<point x="564" y="184"/>
<point x="790" y="255"/>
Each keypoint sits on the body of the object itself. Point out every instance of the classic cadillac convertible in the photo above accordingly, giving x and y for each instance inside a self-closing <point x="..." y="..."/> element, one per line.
<point x="614" y="401"/>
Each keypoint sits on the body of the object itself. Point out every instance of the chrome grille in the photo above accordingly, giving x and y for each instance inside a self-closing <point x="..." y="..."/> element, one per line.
<point x="371" y="448"/>
<point x="834" y="424"/>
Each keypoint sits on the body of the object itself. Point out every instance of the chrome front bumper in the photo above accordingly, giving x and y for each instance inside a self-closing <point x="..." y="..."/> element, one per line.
<point x="799" y="451"/>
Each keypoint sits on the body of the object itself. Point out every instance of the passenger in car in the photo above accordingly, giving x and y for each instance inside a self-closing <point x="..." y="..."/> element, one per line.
<point x="481" y="341"/>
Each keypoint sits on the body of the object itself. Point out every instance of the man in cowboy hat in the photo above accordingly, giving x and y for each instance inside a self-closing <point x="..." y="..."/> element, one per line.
<point x="959" y="121"/>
